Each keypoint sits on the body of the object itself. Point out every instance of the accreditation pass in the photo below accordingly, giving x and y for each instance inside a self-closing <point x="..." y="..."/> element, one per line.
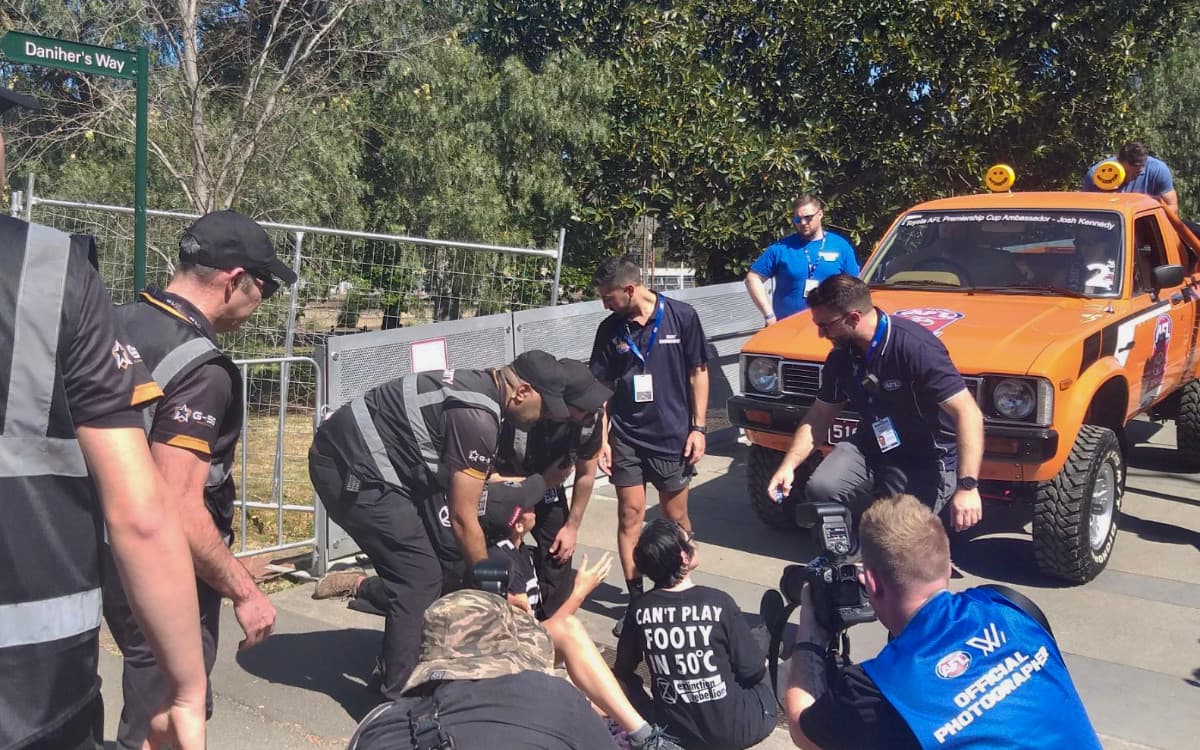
<point x="643" y="388"/>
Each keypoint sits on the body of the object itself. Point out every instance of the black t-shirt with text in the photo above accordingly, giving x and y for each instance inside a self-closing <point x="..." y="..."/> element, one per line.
<point x="658" y="427"/>
<point x="914" y="375"/>
<point x="703" y="662"/>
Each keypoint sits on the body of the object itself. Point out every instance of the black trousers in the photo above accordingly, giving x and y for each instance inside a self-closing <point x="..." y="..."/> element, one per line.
<point x="555" y="579"/>
<point x="383" y="521"/>
<point x="144" y="687"/>
<point x="85" y="731"/>
<point x="848" y="477"/>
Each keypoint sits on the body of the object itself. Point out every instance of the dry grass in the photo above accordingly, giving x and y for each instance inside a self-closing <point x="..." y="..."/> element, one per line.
<point x="262" y="525"/>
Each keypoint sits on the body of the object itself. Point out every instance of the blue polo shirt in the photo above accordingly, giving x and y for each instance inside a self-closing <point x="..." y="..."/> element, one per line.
<point x="1155" y="179"/>
<point x="658" y="427"/>
<point x="793" y="260"/>
<point x="914" y="375"/>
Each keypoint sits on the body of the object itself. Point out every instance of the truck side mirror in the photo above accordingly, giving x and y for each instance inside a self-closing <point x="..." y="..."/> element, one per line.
<point x="1167" y="276"/>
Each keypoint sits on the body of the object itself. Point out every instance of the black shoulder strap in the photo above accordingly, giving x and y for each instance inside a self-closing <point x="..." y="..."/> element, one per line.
<point x="425" y="727"/>
<point x="1024" y="603"/>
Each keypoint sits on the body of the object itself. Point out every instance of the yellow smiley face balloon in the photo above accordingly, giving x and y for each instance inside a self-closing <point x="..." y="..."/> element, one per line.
<point x="1109" y="175"/>
<point x="1000" y="178"/>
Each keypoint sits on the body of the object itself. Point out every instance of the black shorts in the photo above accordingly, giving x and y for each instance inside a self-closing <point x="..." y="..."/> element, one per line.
<point x="632" y="467"/>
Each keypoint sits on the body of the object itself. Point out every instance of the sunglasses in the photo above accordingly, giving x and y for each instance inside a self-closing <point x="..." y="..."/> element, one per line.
<point x="804" y="218"/>
<point x="268" y="284"/>
<point x="823" y="327"/>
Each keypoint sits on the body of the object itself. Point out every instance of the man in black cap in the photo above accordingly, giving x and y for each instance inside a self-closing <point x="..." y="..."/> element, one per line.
<point x="551" y="450"/>
<point x="227" y="267"/>
<point x="73" y="456"/>
<point x="380" y="462"/>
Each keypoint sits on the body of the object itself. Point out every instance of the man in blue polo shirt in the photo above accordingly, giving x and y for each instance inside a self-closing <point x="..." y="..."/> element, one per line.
<point x="1143" y="174"/>
<point x="799" y="262"/>
<point x="652" y="350"/>
<point x="976" y="668"/>
<point x="921" y="431"/>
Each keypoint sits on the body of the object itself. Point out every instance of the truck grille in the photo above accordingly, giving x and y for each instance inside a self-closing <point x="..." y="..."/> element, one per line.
<point x="804" y="378"/>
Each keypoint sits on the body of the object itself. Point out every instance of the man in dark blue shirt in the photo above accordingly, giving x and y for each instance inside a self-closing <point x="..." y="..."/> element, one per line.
<point x="921" y="431"/>
<point x="652" y="350"/>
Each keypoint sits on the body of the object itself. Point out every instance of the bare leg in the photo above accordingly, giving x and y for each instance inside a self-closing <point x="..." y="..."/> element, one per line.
<point x="589" y="672"/>
<point x="631" y="513"/>
<point x="674" y="507"/>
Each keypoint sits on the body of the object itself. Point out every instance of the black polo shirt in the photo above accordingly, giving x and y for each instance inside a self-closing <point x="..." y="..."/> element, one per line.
<point x="658" y="427"/>
<point x="914" y="375"/>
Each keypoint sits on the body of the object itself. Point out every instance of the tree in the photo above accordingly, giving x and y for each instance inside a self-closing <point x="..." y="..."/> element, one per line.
<point x="725" y="109"/>
<point x="1167" y="100"/>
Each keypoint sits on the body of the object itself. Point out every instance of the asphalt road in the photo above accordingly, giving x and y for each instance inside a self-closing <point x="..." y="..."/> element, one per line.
<point x="1130" y="637"/>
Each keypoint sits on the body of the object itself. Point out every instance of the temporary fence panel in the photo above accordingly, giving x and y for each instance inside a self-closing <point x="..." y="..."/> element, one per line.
<point x="357" y="362"/>
<point x="282" y="399"/>
<point x="564" y="331"/>
<point x="729" y="318"/>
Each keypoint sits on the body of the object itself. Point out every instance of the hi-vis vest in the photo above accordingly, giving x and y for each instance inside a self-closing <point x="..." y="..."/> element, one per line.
<point x="971" y="670"/>
<point x="400" y="424"/>
<point x="171" y="347"/>
<point x="50" y="527"/>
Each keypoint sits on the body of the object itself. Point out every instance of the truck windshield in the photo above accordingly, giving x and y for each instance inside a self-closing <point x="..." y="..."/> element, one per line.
<point x="1016" y="251"/>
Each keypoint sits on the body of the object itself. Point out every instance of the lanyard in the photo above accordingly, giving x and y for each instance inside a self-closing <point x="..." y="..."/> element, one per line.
<point x="862" y="375"/>
<point x="633" y="347"/>
<point x="812" y="264"/>
<point x="877" y="339"/>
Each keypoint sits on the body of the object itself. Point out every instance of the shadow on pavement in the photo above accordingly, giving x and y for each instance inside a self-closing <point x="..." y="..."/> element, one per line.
<point x="721" y="515"/>
<point x="1157" y="531"/>
<point x="999" y="549"/>
<point x="336" y="663"/>
<point x="1158" y="458"/>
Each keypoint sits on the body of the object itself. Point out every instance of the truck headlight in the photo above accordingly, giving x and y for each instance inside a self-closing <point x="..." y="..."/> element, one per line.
<point x="1014" y="399"/>
<point x="762" y="374"/>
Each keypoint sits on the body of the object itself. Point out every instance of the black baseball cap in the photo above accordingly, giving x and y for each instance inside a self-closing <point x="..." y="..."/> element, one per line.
<point x="545" y="374"/>
<point x="10" y="99"/>
<point x="227" y="239"/>
<point x="582" y="390"/>
<point x="506" y="501"/>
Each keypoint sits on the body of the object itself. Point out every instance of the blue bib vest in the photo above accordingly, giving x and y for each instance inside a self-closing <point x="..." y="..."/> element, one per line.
<point x="972" y="670"/>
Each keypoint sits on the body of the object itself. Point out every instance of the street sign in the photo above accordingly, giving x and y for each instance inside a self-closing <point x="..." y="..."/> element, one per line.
<point x="59" y="53"/>
<point x="32" y="49"/>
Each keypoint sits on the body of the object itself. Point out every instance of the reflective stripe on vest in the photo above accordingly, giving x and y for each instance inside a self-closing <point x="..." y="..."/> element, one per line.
<point x="35" y="334"/>
<point x="40" y="456"/>
<point x="370" y="435"/>
<point x="416" y="420"/>
<point x="176" y="361"/>
<point x="46" y="620"/>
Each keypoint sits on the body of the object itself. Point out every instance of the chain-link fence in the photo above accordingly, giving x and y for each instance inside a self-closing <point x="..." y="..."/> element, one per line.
<point x="348" y="282"/>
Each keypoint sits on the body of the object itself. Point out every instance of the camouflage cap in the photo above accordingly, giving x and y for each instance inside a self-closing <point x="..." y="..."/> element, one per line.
<point x="474" y="635"/>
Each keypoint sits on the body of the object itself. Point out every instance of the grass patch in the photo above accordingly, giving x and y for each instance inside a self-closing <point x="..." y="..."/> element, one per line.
<point x="262" y="526"/>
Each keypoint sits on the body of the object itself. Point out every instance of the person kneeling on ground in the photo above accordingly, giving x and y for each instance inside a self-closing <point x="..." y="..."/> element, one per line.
<point x="486" y="678"/>
<point x="707" y="668"/>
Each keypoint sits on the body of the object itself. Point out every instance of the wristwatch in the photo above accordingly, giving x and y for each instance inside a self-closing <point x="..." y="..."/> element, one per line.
<point x="968" y="483"/>
<point x="698" y="428"/>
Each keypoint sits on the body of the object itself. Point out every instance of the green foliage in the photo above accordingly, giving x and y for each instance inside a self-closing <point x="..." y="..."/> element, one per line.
<point x="1168" y="100"/>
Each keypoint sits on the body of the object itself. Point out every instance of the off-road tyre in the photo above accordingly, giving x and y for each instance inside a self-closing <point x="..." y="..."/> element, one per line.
<point x="1187" y="426"/>
<point x="762" y="465"/>
<point x="1063" y="509"/>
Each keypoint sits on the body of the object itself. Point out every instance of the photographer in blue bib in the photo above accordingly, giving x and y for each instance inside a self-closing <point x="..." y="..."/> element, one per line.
<point x="921" y="431"/>
<point x="976" y="668"/>
<point x="799" y="262"/>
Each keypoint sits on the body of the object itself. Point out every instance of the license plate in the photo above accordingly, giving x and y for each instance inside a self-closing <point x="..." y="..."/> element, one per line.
<point x="842" y="429"/>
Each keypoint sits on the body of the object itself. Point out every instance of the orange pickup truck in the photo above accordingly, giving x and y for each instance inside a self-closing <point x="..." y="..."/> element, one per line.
<point x="1068" y="314"/>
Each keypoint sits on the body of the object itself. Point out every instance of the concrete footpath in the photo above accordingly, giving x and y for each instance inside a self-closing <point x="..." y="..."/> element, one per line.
<point x="1130" y="637"/>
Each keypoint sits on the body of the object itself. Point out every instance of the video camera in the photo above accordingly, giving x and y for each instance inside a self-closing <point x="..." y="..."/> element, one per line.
<point x="838" y="597"/>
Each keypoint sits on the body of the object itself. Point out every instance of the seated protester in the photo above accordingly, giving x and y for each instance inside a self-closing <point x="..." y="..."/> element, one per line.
<point x="708" y="671"/>
<point x="505" y="522"/>
<point x="486" y="678"/>
<point x="936" y="683"/>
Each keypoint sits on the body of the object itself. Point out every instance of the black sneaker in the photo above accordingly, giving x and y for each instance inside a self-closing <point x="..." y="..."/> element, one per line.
<point x="658" y="740"/>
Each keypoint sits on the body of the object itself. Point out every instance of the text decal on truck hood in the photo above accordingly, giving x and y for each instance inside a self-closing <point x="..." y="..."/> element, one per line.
<point x="932" y="319"/>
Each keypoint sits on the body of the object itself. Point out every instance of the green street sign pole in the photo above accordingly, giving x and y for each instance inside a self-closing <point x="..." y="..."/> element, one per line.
<point x="139" y="169"/>
<point x="32" y="49"/>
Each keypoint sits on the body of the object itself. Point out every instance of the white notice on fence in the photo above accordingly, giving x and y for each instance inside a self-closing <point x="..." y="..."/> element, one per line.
<point x="428" y="355"/>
